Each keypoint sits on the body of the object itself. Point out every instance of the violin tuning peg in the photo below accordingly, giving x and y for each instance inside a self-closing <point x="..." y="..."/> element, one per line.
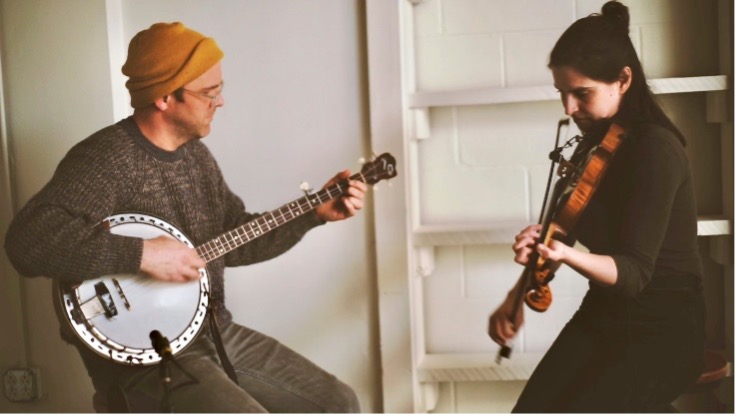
<point x="362" y="160"/>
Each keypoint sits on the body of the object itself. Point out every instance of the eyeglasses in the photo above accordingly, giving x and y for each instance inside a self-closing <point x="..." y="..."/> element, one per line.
<point x="212" y="97"/>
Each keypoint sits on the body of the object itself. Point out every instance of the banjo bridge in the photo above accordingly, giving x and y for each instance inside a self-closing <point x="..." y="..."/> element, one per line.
<point x="100" y="304"/>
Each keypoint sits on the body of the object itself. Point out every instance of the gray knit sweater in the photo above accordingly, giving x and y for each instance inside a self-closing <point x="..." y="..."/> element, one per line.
<point x="58" y="234"/>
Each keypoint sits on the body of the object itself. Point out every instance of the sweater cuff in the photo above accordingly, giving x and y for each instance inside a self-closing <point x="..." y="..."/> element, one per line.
<point x="315" y="220"/>
<point x="129" y="251"/>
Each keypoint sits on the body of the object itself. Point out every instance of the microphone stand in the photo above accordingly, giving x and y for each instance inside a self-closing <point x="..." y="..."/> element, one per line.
<point x="161" y="346"/>
<point x="166" y="377"/>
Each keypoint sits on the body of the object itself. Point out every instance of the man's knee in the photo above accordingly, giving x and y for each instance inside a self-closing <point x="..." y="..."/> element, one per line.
<point x="345" y="401"/>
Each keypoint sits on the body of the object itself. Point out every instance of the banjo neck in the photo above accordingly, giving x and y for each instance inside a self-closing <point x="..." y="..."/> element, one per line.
<point x="229" y="241"/>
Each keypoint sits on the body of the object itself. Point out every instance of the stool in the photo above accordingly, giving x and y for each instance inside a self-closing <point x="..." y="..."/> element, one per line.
<point x="113" y="402"/>
<point x="716" y="368"/>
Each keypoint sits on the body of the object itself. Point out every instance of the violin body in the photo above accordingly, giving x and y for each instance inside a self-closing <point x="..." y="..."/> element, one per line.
<point x="574" y="190"/>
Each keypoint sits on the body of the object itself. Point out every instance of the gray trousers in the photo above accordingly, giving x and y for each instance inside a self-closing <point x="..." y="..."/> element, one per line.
<point x="272" y="378"/>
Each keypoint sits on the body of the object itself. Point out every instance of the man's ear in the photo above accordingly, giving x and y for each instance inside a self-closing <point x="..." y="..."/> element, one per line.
<point x="162" y="103"/>
<point x="624" y="79"/>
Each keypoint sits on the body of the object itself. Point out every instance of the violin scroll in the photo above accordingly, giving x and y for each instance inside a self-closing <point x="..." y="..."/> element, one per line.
<point x="538" y="298"/>
<point x="538" y="295"/>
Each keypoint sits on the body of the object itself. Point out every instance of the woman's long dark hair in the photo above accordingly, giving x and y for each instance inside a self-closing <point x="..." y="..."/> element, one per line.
<point x="598" y="46"/>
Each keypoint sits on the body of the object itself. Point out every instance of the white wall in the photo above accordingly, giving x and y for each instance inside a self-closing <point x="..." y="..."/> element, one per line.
<point x="295" y="111"/>
<point x="47" y="112"/>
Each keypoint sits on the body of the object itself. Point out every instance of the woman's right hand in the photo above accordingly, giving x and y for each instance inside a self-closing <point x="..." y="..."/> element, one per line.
<point x="526" y="241"/>
<point x="500" y="327"/>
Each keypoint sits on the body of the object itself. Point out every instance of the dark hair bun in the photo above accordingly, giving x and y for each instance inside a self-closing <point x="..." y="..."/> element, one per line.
<point x="617" y="13"/>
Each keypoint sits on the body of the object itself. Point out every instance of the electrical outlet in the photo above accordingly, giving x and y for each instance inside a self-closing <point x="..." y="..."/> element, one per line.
<point x="22" y="384"/>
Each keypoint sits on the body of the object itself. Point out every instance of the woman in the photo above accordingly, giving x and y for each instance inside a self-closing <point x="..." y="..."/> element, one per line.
<point x="636" y="341"/>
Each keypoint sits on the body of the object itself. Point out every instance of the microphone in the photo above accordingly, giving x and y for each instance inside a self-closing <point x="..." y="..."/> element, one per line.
<point x="160" y="344"/>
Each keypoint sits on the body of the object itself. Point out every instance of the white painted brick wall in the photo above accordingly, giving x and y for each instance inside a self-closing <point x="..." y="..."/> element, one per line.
<point x="476" y="43"/>
<point x="488" y="163"/>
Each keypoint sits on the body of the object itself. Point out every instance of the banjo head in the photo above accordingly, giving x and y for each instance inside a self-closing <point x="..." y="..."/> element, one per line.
<point x="114" y="315"/>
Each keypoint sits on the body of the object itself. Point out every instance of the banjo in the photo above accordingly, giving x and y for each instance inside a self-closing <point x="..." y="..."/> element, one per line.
<point x="112" y="314"/>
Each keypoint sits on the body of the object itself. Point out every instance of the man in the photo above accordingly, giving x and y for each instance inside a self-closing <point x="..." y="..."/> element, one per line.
<point x="154" y="162"/>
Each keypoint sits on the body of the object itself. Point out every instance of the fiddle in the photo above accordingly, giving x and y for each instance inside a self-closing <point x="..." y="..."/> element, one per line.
<point x="567" y="211"/>
<point x="577" y="183"/>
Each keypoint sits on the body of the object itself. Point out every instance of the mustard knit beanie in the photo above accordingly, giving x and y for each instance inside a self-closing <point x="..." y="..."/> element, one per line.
<point x="165" y="57"/>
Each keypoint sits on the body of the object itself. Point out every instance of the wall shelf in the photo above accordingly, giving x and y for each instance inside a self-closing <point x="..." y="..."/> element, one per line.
<point x="503" y="233"/>
<point x="713" y="226"/>
<point x="440" y="235"/>
<point x="420" y="102"/>
<point x="476" y="367"/>
<point x="500" y="95"/>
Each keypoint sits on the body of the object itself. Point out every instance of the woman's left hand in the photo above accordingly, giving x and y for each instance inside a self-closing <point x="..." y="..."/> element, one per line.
<point x="556" y="251"/>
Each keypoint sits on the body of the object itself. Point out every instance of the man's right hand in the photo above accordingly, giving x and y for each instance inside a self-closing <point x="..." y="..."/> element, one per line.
<point x="169" y="260"/>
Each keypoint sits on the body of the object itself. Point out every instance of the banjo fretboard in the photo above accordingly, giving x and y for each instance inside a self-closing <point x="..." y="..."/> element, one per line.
<point x="237" y="237"/>
<point x="381" y="168"/>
